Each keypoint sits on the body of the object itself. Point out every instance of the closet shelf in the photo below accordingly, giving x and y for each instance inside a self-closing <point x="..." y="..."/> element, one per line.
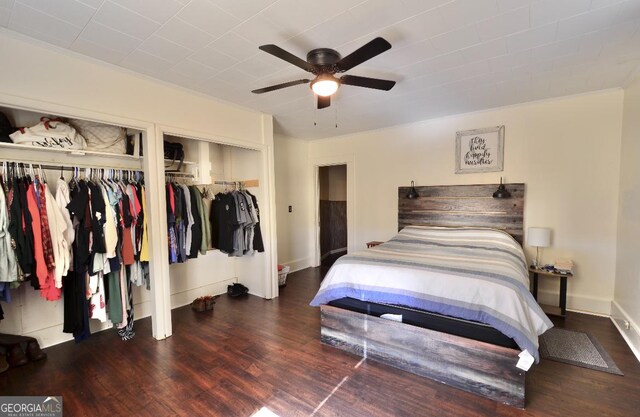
<point x="32" y="154"/>
<point x="167" y="161"/>
<point x="74" y="152"/>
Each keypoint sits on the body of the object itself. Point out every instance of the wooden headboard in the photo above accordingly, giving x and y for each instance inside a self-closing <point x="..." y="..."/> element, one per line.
<point x="463" y="205"/>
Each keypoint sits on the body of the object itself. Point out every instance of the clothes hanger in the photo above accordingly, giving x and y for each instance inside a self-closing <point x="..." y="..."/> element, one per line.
<point x="43" y="175"/>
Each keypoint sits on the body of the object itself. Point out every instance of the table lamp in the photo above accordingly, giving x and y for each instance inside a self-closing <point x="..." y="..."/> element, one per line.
<point x="540" y="237"/>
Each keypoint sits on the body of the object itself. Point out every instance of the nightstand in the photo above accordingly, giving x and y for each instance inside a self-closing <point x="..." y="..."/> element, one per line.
<point x="561" y="310"/>
<point x="373" y="243"/>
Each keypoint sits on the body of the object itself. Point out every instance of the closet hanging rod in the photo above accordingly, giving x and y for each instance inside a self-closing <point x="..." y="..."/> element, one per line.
<point x="245" y="184"/>
<point x="178" y="174"/>
<point x="67" y="167"/>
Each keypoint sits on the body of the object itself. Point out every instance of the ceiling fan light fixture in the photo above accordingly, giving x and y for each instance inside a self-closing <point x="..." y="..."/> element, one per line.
<point x="325" y="85"/>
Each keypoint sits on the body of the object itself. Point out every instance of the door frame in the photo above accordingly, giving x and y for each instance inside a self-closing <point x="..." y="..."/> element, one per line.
<point x="349" y="161"/>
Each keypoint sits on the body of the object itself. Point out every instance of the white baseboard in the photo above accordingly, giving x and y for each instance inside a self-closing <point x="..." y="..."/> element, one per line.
<point x="631" y="335"/>
<point x="53" y="335"/>
<point x="299" y="264"/>
<point x="186" y="297"/>
<point x="578" y="303"/>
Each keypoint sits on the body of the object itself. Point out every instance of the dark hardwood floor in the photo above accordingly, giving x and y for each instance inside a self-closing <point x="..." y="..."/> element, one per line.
<point x="252" y="353"/>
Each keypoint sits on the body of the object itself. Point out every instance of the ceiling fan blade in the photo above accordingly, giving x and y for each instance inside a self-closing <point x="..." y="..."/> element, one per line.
<point x="362" y="54"/>
<point x="324" y="102"/>
<point x="367" y="82"/>
<point x="287" y="56"/>
<point x="279" y="86"/>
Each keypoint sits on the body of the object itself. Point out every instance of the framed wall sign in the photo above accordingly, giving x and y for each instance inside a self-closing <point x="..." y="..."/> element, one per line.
<point x="480" y="150"/>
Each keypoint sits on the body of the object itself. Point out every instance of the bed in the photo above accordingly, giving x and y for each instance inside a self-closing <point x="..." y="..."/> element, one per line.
<point x="462" y="291"/>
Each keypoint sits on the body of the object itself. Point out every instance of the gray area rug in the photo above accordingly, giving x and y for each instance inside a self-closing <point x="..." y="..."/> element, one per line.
<point x="576" y="348"/>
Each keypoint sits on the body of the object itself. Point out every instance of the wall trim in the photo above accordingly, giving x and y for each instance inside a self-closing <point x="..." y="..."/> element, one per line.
<point x="471" y="113"/>
<point x="53" y="335"/>
<point x="185" y="297"/>
<point x="578" y="303"/>
<point x="631" y="336"/>
<point x="299" y="264"/>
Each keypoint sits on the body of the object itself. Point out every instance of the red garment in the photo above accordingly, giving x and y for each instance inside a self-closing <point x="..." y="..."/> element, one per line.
<point x="38" y="254"/>
<point x="47" y="245"/>
<point x="135" y="206"/>
<point x="46" y="279"/>
<point x="51" y="293"/>
<point x="127" y="247"/>
<point x="172" y="198"/>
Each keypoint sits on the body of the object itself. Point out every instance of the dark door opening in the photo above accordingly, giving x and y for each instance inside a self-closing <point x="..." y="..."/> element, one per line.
<point x="333" y="213"/>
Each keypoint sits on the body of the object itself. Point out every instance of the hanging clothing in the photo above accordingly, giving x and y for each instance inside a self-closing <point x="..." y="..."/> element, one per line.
<point x="78" y="242"/>
<point x="205" y="227"/>
<point x="47" y="246"/>
<point x="110" y="228"/>
<point x="78" y="209"/>
<point x="62" y="200"/>
<point x="144" y="248"/>
<point x="230" y="222"/>
<point x="206" y="209"/>
<point x="258" y="244"/>
<point x="189" y="219"/>
<point x="57" y="227"/>
<point x="98" y="218"/>
<point x="20" y="225"/>
<point x="38" y="253"/>
<point x="8" y="261"/>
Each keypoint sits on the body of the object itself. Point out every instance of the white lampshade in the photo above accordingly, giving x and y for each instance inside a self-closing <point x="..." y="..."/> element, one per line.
<point x="539" y="236"/>
<point x="325" y="85"/>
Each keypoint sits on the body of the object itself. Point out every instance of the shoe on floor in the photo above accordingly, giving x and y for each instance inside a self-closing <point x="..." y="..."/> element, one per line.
<point x="237" y="290"/>
<point x="34" y="353"/>
<point x="199" y="304"/>
<point x="209" y="302"/>
<point x="16" y="356"/>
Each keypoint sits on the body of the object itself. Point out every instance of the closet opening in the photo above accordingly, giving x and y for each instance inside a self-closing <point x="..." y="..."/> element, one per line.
<point x="84" y="265"/>
<point x="214" y="197"/>
<point x="332" y="208"/>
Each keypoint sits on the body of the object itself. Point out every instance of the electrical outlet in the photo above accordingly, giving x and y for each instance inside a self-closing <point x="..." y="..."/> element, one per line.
<point x="290" y="209"/>
<point x="627" y="325"/>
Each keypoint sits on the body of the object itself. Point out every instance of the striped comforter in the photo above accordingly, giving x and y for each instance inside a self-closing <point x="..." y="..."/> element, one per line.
<point x="471" y="273"/>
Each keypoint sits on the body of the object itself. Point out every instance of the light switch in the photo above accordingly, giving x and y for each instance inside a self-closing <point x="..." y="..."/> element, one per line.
<point x="290" y="209"/>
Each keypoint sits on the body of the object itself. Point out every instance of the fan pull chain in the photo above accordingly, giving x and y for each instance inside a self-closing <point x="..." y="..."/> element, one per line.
<point x="315" y="110"/>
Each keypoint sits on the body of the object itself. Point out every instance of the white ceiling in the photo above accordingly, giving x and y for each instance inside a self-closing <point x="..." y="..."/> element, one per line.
<point x="448" y="57"/>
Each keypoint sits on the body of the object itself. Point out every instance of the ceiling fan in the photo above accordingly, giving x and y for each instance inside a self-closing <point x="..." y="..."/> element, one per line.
<point x="324" y="63"/>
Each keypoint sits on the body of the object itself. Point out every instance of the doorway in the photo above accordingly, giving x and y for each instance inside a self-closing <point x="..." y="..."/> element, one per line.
<point x="332" y="209"/>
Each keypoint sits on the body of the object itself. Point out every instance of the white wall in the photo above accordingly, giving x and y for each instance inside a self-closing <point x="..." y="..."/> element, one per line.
<point x="45" y="78"/>
<point x="59" y="77"/>
<point x="293" y="188"/>
<point x="567" y="151"/>
<point x="626" y="304"/>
